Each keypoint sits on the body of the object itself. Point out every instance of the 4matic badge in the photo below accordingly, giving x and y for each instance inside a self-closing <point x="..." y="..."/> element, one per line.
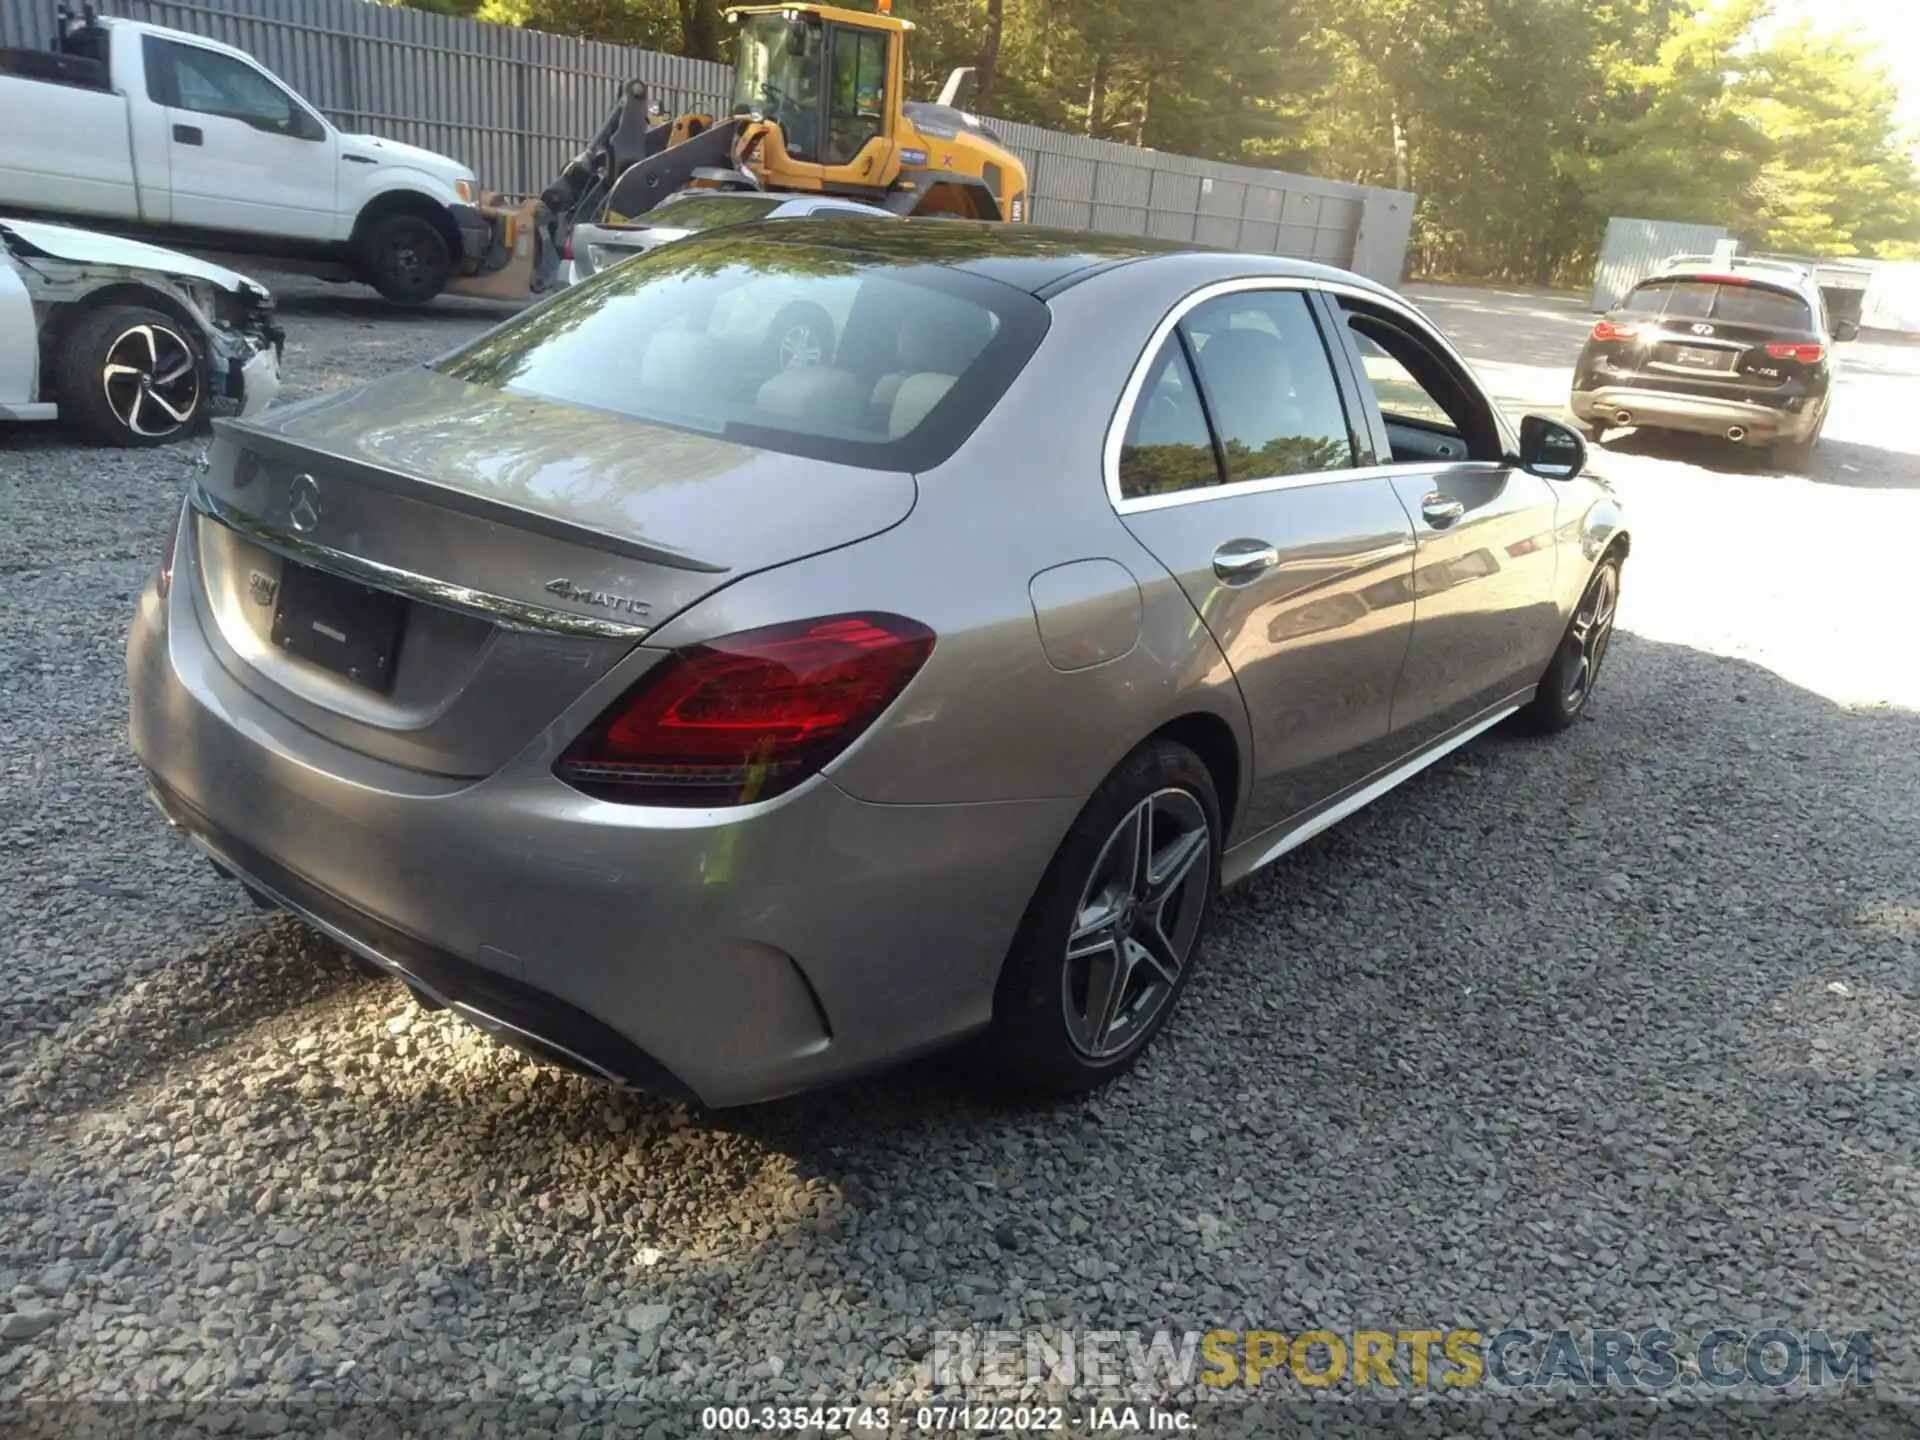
<point x="606" y="600"/>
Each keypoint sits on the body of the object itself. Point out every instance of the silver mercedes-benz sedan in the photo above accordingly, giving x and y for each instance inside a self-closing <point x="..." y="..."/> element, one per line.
<point x="724" y="726"/>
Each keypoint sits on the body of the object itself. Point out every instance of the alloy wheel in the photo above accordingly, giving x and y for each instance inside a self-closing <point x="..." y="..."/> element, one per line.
<point x="1136" y="923"/>
<point x="1592" y="629"/>
<point x="152" y="380"/>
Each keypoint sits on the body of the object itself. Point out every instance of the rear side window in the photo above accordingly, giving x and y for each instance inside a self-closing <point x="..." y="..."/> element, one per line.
<point x="799" y="347"/>
<point x="1710" y="300"/>
<point x="1168" y="447"/>
<point x="1269" y="385"/>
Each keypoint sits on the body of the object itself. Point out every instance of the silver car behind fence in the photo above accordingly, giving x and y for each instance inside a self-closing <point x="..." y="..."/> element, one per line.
<point x="726" y="726"/>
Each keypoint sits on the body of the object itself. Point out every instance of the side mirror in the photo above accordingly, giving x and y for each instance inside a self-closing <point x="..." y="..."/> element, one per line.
<point x="1550" y="449"/>
<point x="1845" y="330"/>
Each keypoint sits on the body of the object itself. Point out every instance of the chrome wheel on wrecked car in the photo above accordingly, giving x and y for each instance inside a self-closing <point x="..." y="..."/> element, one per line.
<point x="1136" y="923"/>
<point x="152" y="379"/>
<point x="131" y="376"/>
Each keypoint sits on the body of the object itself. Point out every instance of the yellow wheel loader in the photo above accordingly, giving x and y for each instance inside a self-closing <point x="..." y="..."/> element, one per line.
<point x="818" y="108"/>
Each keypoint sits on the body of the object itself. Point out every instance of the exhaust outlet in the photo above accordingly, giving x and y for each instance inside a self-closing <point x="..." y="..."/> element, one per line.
<point x="1623" y="417"/>
<point x="1736" y="433"/>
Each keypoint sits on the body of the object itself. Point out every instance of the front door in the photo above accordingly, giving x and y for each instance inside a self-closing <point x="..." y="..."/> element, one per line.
<point x="1483" y="579"/>
<point x="243" y="153"/>
<point x="1237" y="472"/>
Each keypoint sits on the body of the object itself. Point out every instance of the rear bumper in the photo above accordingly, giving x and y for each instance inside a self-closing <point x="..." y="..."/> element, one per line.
<point x="733" y="955"/>
<point x="1696" y="414"/>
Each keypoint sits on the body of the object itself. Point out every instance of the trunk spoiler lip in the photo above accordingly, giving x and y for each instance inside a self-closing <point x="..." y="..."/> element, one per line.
<point x="256" y="437"/>
<point x="498" y="610"/>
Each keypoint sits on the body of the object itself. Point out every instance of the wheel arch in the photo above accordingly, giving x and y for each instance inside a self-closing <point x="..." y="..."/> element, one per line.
<point x="58" y="321"/>
<point x="1212" y="739"/>
<point x="403" y="201"/>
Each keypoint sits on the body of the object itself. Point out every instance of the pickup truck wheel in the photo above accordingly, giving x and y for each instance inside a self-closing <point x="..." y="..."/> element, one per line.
<point x="132" y="377"/>
<point x="405" y="258"/>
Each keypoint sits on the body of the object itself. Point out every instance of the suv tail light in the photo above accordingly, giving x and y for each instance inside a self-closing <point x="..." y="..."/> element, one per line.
<point x="1806" y="354"/>
<point x="749" y="716"/>
<point x="1609" y="330"/>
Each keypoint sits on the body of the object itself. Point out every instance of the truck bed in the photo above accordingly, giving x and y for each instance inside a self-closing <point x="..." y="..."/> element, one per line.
<point x="65" y="148"/>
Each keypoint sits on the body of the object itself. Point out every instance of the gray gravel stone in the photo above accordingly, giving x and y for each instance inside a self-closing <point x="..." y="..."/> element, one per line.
<point x="1547" y="1037"/>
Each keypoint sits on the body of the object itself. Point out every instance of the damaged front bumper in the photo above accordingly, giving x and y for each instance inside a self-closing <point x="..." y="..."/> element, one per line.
<point x="243" y="361"/>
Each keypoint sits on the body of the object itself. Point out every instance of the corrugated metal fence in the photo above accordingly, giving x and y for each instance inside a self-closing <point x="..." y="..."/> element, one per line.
<point x="1634" y="249"/>
<point x="516" y="105"/>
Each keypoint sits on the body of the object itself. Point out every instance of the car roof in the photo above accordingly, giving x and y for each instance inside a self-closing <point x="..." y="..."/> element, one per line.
<point x="1033" y="258"/>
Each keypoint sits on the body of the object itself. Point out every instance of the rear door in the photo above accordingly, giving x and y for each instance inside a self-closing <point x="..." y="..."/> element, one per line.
<point x="1236" y="467"/>
<point x="1485" y="618"/>
<point x="244" y="153"/>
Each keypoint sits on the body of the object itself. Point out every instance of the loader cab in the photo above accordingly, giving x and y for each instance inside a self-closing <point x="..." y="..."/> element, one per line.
<point x="830" y="79"/>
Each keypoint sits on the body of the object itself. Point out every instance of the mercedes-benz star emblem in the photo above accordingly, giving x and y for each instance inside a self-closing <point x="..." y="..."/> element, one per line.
<point x="303" y="503"/>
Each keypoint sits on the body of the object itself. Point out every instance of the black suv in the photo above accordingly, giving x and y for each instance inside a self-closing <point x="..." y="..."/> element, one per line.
<point x="1742" y="350"/>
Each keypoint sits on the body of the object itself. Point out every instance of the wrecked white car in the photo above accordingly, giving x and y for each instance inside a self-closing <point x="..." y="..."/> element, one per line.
<point x="127" y="343"/>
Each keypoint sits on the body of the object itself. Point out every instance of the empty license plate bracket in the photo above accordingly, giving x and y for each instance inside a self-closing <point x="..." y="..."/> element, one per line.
<point x="349" y="629"/>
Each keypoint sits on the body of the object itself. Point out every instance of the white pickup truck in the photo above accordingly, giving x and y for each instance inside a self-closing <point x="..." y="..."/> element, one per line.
<point x="174" y="138"/>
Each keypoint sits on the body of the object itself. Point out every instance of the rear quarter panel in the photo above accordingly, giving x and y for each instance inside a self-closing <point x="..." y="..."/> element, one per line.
<point x="991" y="717"/>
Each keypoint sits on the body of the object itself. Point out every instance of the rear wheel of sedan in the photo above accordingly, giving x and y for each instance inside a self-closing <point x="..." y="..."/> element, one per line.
<point x="1568" y="684"/>
<point x="131" y="377"/>
<point x="1112" y="934"/>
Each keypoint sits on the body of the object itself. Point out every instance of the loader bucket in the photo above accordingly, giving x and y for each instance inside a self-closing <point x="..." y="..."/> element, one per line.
<point x="523" y="261"/>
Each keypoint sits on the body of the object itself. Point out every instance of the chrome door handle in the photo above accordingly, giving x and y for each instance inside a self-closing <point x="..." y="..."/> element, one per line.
<point x="1239" y="561"/>
<point x="1438" y="509"/>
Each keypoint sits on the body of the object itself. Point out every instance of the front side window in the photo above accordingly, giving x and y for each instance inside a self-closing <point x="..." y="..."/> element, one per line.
<point x="1268" y="384"/>
<point x="1420" y="392"/>
<point x="777" y="76"/>
<point x="1399" y="395"/>
<point x="786" y="344"/>
<point x="1168" y="447"/>
<point x="858" y="113"/>
<point x="209" y="83"/>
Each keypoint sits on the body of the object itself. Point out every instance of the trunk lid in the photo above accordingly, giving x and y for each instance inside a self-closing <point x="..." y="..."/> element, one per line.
<point x="530" y="546"/>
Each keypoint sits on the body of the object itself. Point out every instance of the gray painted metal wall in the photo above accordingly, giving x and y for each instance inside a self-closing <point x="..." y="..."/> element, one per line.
<point x="1634" y="249"/>
<point x="516" y="105"/>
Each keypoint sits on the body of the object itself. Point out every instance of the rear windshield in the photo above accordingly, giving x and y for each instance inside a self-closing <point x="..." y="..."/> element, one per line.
<point x="705" y="212"/>
<point x="1708" y="300"/>
<point x="800" y="347"/>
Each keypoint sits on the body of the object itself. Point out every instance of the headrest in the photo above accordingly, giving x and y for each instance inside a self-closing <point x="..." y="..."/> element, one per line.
<point x="833" y="399"/>
<point x="918" y="394"/>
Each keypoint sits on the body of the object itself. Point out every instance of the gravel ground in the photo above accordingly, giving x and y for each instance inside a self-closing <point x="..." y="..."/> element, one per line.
<point x="1613" y="1030"/>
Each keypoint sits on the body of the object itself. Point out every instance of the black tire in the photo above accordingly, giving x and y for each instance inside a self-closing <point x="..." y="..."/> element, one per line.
<point x="131" y="376"/>
<point x="405" y="258"/>
<point x="1568" y="682"/>
<point x="1043" y="1032"/>
<point x="801" y="334"/>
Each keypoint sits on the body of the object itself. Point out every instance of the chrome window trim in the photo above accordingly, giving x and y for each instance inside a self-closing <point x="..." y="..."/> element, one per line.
<point x="1137" y="379"/>
<point x="500" y="610"/>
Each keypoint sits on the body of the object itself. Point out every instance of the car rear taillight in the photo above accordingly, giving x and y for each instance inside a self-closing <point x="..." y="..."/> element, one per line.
<point x="1805" y="354"/>
<point x="1610" y="330"/>
<point x="749" y="716"/>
